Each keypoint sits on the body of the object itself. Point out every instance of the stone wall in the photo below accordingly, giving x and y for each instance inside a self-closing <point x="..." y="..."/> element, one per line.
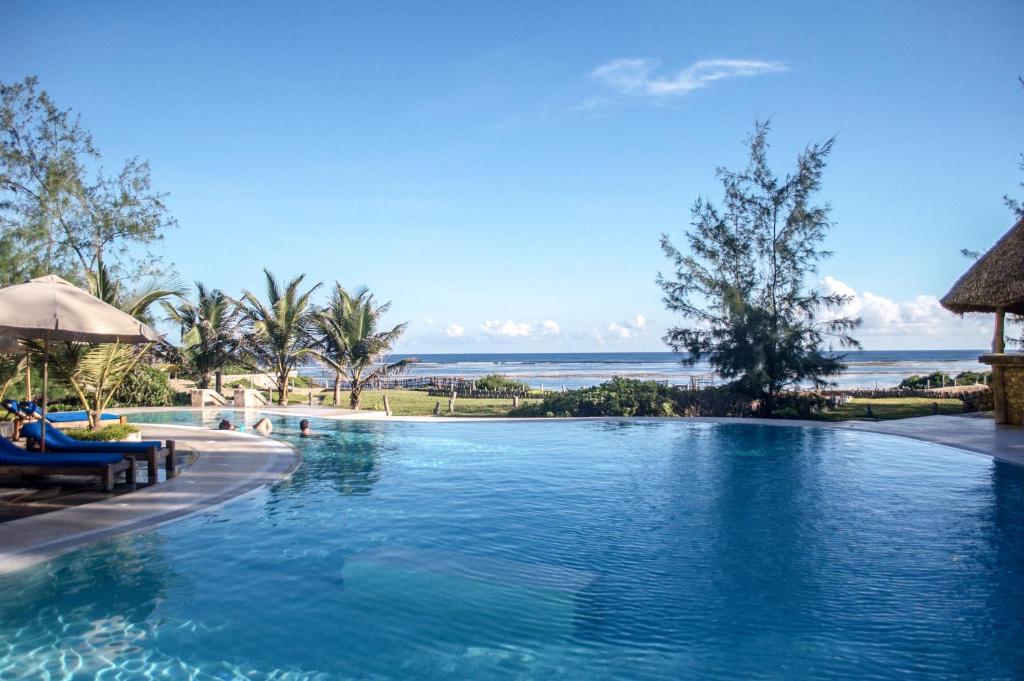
<point x="1013" y="382"/>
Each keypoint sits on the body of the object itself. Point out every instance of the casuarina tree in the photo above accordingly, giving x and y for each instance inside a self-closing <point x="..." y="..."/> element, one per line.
<point x="743" y="283"/>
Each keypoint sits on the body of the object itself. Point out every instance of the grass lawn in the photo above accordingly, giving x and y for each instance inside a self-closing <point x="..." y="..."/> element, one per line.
<point x="891" y="408"/>
<point x="418" y="403"/>
<point x="412" y="403"/>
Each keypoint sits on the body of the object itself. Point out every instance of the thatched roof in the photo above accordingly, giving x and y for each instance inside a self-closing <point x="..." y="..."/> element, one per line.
<point x="995" y="281"/>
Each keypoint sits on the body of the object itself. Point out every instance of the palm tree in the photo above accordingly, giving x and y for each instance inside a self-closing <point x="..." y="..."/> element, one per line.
<point x="94" y="371"/>
<point x="138" y="302"/>
<point x="209" y="333"/>
<point x="351" y="345"/>
<point x="280" y="331"/>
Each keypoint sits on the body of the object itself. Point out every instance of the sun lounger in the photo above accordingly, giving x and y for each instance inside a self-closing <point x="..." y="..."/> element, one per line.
<point x="32" y="409"/>
<point x="150" y="451"/>
<point x="15" y="460"/>
<point x="14" y="408"/>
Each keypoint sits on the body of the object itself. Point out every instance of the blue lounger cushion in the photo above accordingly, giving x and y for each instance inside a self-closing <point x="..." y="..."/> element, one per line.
<point x="72" y="416"/>
<point x="13" y="455"/>
<point x="58" y="441"/>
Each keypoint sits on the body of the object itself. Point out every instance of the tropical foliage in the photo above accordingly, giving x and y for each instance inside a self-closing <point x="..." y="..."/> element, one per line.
<point x="741" y="285"/>
<point x="143" y="386"/>
<point x="629" y="397"/>
<point x="60" y="212"/>
<point x="209" y="334"/>
<point x="352" y="344"/>
<point x="278" y="331"/>
<point x="94" y="372"/>
<point x="11" y="368"/>
<point x="501" y="383"/>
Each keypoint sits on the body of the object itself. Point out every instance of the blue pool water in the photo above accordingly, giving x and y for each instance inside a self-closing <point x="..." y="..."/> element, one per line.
<point x="556" y="550"/>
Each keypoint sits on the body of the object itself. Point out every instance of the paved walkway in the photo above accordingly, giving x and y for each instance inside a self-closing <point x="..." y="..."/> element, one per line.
<point x="971" y="433"/>
<point x="228" y="464"/>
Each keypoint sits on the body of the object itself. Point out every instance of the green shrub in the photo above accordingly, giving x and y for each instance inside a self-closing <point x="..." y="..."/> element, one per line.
<point x="629" y="397"/>
<point x="972" y="377"/>
<point x="934" y="379"/>
<point x="111" y="433"/>
<point x="143" y="387"/>
<point x="500" y="383"/>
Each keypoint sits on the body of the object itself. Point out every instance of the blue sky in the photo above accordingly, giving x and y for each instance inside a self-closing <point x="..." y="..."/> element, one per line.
<point x="503" y="171"/>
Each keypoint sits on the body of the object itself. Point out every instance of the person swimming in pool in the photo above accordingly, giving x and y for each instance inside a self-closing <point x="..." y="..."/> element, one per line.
<point x="304" y="430"/>
<point x="264" y="427"/>
<point x="225" y="425"/>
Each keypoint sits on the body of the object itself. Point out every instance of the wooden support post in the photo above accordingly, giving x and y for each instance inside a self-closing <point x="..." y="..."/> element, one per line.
<point x="515" y="401"/>
<point x="437" y="408"/>
<point x="387" y="405"/>
<point x="451" y="402"/>
<point x="998" y="387"/>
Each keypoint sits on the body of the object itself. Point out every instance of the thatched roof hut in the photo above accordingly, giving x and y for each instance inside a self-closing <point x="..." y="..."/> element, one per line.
<point x="996" y="282"/>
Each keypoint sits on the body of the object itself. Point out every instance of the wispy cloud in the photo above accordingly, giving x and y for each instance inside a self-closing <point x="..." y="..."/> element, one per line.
<point x="507" y="328"/>
<point x="453" y="331"/>
<point x="550" y="328"/>
<point x="638" y="76"/>
<point x="628" y="328"/>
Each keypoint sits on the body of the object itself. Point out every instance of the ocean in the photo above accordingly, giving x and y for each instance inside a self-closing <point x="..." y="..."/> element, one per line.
<point x="867" y="368"/>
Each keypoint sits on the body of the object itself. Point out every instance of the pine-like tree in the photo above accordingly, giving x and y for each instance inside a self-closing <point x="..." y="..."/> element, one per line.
<point x="742" y="286"/>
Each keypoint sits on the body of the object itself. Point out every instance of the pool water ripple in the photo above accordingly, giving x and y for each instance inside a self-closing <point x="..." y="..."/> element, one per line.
<point x="555" y="550"/>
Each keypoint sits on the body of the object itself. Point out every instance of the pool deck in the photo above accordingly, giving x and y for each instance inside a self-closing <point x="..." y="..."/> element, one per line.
<point x="230" y="464"/>
<point x="227" y="465"/>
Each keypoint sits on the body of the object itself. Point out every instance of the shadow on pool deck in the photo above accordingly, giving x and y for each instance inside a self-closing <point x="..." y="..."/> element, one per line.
<point x="227" y="465"/>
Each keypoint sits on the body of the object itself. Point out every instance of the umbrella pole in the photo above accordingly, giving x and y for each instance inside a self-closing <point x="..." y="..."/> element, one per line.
<point x="28" y="376"/>
<point x="46" y="363"/>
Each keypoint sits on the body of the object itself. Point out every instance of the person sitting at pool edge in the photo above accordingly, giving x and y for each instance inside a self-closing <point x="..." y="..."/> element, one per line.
<point x="304" y="430"/>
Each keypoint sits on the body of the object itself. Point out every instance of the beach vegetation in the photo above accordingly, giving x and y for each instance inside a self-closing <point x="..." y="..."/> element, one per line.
<point x="144" y="386"/>
<point x="630" y="397"/>
<point x="351" y="343"/>
<point x="741" y="284"/>
<point x="209" y="334"/>
<point x="60" y="210"/>
<point x="278" y="331"/>
<point x="501" y="383"/>
<point x="940" y="379"/>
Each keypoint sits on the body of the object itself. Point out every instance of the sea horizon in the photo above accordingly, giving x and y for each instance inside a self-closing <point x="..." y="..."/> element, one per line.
<point x="557" y="370"/>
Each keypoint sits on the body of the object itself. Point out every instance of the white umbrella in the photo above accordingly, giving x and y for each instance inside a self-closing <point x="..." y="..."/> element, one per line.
<point x="52" y="309"/>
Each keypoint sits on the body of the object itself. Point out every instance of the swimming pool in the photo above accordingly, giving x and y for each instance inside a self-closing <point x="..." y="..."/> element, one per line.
<point x="640" y="550"/>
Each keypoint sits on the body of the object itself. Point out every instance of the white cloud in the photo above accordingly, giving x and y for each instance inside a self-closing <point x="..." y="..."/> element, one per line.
<point x="636" y="76"/>
<point x="453" y="331"/>
<point x="628" y="328"/>
<point x="921" y="316"/>
<point x="506" y="328"/>
<point x="550" y="328"/>
<point x="596" y="335"/>
<point x="619" y="330"/>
